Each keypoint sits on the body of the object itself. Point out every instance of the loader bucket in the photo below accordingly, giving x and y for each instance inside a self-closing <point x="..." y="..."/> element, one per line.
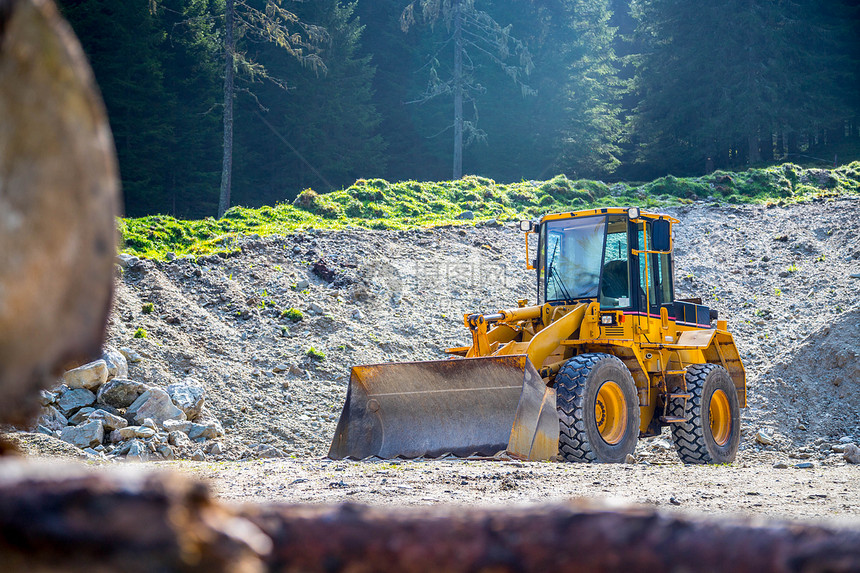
<point x="462" y="407"/>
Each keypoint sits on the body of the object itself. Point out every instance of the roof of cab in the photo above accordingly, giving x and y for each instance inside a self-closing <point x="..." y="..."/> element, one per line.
<point x="605" y="211"/>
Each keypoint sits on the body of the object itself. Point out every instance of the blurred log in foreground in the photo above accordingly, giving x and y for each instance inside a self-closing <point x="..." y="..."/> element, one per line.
<point x="580" y="538"/>
<point x="62" y="517"/>
<point x="59" y="194"/>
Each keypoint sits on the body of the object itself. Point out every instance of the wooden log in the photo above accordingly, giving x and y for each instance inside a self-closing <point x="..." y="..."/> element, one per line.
<point x="59" y="195"/>
<point x="67" y="518"/>
<point x="63" y="518"/>
<point x="580" y="538"/>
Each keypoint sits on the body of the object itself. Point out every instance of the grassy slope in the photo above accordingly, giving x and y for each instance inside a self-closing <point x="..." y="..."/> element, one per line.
<point x="378" y="204"/>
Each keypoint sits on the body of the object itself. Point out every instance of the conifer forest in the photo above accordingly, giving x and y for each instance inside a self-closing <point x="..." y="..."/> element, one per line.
<point x="215" y="103"/>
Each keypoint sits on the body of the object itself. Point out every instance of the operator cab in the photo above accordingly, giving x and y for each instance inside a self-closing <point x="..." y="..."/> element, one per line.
<point x="600" y="255"/>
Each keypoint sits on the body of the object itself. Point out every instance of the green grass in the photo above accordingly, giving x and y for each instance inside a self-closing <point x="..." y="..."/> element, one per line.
<point x="315" y="354"/>
<point x="293" y="314"/>
<point x="378" y="204"/>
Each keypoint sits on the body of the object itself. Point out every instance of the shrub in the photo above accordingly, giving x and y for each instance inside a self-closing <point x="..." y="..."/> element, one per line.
<point x="354" y="209"/>
<point x="521" y="197"/>
<point x="293" y="314"/>
<point x="236" y="213"/>
<point x="594" y="188"/>
<point x="306" y="200"/>
<point x="329" y="211"/>
<point x="378" y="212"/>
<point x="147" y="308"/>
<point x="494" y="195"/>
<point x="583" y="194"/>
<point x="315" y="354"/>
<point x="368" y="191"/>
<point x="558" y="186"/>
<point x="140" y="333"/>
<point x="136" y="241"/>
<point x="670" y="185"/>
<point x="378" y="184"/>
<point x="791" y="171"/>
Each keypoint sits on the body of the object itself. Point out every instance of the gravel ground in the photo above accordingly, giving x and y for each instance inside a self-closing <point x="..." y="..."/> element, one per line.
<point x="750" y="487"/>
<point x="786" y="278"/>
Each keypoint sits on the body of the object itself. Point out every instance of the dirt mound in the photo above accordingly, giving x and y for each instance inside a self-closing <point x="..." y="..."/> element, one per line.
<point x="272" y="341"/>
<point x="40" y="445"/>
<point x="813" y="391"/>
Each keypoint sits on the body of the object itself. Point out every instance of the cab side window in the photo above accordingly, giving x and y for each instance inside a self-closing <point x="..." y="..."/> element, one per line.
<point x="664" y="282"/>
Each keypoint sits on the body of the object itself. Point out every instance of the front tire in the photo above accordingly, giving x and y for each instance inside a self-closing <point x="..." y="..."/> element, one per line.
<point x="598" y="409"/>
<point x="712" y="432"/>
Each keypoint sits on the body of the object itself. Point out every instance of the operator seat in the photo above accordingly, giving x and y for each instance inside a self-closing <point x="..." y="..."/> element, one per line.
<point x="615" y="283"/>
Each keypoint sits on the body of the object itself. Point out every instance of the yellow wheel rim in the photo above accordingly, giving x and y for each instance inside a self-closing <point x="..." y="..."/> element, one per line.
<point x="610" y="412"/>
<point x="721" y="417"/>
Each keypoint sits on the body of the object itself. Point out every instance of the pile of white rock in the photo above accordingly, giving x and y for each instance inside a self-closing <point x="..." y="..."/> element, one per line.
<point x="100" y="410"/>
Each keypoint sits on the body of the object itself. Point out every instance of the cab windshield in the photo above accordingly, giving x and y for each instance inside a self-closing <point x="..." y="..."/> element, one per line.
<point x="572" y="252"/>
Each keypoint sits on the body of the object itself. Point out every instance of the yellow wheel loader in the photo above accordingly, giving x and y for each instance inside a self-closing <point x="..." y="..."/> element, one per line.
<point x="605" y="356"/>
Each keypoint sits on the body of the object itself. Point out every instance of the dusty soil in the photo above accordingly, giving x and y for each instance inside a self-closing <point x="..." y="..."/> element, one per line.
<point x="786" y="278"/>
<point x="750" y="487"/>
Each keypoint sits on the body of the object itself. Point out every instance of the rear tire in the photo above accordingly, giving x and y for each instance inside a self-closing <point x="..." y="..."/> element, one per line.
<point x="712" y="432"/>
<point x="598" y="409"/>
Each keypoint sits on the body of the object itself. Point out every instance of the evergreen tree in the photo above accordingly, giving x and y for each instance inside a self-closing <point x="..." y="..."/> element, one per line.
<point x="192" y="73"/>
<point x="123" y="42"/>
<point x="592" y="89"/>
<point x="572" y="125"/>
<point x="473" y="33"/>
<point x="259" y="21"/>
<point x="719" y="80"/>
<point x="399" y="59"/>
<point x="321" y="132"/>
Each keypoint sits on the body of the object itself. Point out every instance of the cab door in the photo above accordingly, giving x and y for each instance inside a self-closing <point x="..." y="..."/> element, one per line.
<point x="653" y="275"/>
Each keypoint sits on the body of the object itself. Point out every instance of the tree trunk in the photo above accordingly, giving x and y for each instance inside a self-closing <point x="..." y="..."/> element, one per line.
<point x="793" y="145"/>
<point x="227" y="167"/>
<point x="458" y="91"/>
<point x="783" y="144"/>
<point x="766" y="147"/>
<point x="753" y="155"/>
<point x="737" y="154"/>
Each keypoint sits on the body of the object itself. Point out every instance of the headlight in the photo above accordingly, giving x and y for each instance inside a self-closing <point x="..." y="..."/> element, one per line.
<point x="526" y="226"/>
<point x="633" y="213"/>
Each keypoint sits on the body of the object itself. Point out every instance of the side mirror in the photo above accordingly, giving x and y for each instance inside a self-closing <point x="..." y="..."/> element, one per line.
<point x="526" y="226"/>
<point x="660" y="235"/>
